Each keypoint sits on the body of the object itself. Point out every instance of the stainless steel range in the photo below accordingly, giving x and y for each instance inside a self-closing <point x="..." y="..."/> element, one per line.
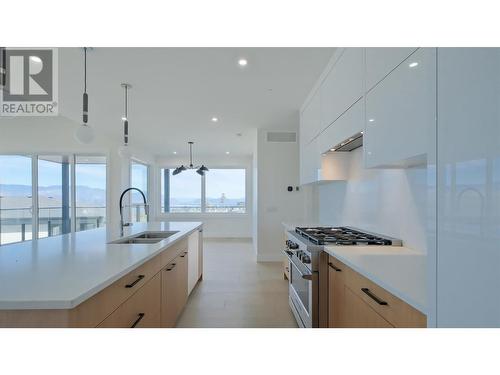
<point x="304" y="249"/>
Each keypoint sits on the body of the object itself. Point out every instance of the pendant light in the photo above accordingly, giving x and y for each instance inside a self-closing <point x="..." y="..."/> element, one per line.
<point x="200" y="170"/>
<point x="84" y="133"/>
<point x="124" y="151"/>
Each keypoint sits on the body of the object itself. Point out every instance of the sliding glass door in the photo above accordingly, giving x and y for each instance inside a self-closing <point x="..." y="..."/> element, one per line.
<point x="16" y="202"/>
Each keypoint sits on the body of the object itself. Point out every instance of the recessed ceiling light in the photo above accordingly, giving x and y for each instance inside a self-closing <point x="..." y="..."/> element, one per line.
<point x="361" y="133"/>
<point x="215" y="119"/>
<point x="413" y="64"/>
<point x="36" y="59"/>
<point x="371" y="120"/>
<point x="124" y="118"/>
<point x="242" y="62"/>
<point x="227" y="152"/>
<point x="175" y="152"/>
<point x="332" y="149"/>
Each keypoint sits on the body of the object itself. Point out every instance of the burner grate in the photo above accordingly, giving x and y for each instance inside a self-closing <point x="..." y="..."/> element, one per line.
<point x="341" y="236"/>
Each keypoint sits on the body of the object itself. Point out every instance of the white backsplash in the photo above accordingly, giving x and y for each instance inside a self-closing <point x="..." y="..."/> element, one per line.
<point x="392" y="202"/>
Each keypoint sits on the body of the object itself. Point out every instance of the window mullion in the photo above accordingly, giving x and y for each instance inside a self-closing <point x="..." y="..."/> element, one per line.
<point x="203" y="191"/>
<point x="34" y="196"/>
<point x="73" y="193"/>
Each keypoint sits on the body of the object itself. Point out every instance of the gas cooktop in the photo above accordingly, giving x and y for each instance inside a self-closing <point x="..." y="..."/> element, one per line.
<point x="346" y="236"/>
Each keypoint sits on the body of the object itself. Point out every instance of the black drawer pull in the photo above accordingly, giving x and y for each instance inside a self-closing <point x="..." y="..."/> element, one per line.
<point x="373" y="296"/>
<point x="139" y="318"/>
<point x="334" y="267"/>
<point x="139" y="278"/>
<point x="307" y="277"/>
<point x="172" y="266"/>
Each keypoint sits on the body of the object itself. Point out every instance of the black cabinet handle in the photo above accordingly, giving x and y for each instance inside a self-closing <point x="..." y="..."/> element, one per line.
<point x="139" y="278"/>
<point x="307" y="277"/>
<point x="373" y="296"/>
<point x="172" y="267"/>
<point x="139" y="318"/>
<point x="334" y="267"/>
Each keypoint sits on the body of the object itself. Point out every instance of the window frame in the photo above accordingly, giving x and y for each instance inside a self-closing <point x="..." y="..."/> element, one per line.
<point x="203" y="212"/>
<point x="34" y="187"/>
<point x="148" y="184"/>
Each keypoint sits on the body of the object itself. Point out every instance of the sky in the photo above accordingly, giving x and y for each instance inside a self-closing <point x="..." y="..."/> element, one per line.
<point x="187" y="184"/>
<point x="16" y="170"/>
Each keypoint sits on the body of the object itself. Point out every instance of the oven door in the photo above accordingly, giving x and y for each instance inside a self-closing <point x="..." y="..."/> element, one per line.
<point x="301" y="293"/>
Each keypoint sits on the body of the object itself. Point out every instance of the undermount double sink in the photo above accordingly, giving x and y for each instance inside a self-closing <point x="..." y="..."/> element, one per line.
<point x="149" y="237"/>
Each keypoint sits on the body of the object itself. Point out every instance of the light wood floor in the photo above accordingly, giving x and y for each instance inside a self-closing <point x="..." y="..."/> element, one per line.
<point x="236" y="291"/>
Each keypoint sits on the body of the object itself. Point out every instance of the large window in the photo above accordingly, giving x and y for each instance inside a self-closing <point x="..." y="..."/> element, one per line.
<point x="16" y="214"/>
<point x="139" y="176"/>
<point x="219" y="191"/>
<point x="70" y="195"/>
<point x="225" y="190"/>
<point x="90" y="192"/>
<point x="54" y="195"/>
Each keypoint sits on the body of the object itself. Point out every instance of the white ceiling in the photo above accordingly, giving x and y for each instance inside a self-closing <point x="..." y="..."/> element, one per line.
<point x="176" y="92"/>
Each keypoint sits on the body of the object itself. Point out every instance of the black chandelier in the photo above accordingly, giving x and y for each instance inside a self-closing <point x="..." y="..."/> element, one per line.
<point x="200" y="170"/>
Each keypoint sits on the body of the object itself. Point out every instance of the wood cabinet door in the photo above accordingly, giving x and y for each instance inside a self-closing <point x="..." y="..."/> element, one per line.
<point x="335" y="296"/>
<point x="358" y="314"/>
<point x="142" y="310"/>
<point x="169" y="295"/>
<point x="193" y="260"/>
<point x="182" y="281"/>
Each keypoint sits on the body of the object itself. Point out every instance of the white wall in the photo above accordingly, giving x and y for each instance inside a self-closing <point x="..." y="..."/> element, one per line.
<point x="214" y="225"/>
<point x="277" y="168"/>
<point x="387" y="201"/>
<point x="55" y="135"/>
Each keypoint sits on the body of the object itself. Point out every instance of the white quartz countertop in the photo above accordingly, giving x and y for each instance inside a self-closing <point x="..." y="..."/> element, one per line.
<point x="61" y="272"/>
<point x="399" y="270"/>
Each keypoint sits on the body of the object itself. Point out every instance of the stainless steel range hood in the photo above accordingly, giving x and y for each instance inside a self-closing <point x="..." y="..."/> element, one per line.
<point x="349" y="144"/>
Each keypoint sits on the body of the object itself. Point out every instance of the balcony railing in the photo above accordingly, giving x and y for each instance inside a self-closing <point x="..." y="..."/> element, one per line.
<point x="16" y="224"/>
<point x="208" y="209"/>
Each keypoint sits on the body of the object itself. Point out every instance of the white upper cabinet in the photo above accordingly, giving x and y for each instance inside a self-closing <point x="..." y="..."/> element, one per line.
<point x="310" y="120"/>
<point x="343" y="85"/>
<point x="381" y="61"/>
<point x="350" y="123"/>
<point x="401" y="112"/>
<point x="310" y="162"/>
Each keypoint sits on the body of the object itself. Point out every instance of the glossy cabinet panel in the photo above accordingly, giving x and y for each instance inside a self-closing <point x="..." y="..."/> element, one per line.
<point x="310" y="162"/>
<point x="310" y="121"/>
<point x="343" y="85"/>
<point x="381" y="61"/>
<point x="350" y="123"/>
<point x="468" y="187"/>
<point x="401" y="113"/>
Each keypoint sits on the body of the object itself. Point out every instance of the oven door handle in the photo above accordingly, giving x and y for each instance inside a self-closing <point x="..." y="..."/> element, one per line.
<point x="288" y="254"/>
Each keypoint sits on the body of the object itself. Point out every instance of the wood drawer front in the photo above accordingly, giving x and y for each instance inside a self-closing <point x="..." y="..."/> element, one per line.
<point x="173" y="252"/>
<point x="142" y="310"/>
<point x="395" y="311"/>
<point x="93" y="311"/>
<point x="358" y="314"/>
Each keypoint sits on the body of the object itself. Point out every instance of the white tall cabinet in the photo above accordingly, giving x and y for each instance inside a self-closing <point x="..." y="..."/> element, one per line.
<point x="468" y="187"/>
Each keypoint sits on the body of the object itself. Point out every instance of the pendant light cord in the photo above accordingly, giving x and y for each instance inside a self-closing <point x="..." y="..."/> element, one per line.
<point x="126" y="102"/>
<point x="85" y="68"/>
<point x="190" y="154"/>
